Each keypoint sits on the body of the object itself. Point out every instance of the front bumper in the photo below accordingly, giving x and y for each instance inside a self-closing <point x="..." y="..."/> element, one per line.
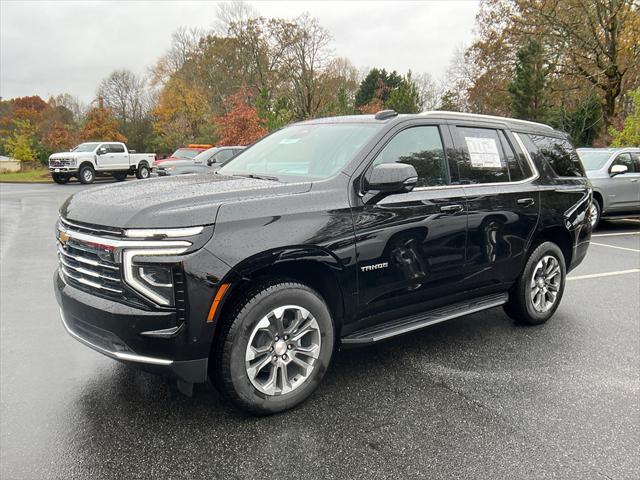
<point x="118" y="331"/>
<point x="63" y="169"/>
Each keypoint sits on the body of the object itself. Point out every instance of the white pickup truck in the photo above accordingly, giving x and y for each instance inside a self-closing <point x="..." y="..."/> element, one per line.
<point x="89" y="159"/>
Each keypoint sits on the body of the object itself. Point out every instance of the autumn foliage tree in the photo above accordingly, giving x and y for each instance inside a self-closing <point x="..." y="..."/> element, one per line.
<point x="101" y="125"/>
<point x="240" y="125"/>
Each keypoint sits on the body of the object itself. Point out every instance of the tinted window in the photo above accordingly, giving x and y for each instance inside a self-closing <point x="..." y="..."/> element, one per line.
<point x="116" y="148"/>
<point x="483" y="160"/>
<point x="422" y="148"/>
<point x="519" y="168"/>
<point x="559" y="154"/>
<point x="626" y="160"/>
<point x="636" y="159"/>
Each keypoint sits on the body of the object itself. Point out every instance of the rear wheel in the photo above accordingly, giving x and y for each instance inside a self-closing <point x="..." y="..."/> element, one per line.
<point x="143" y="172"/>
<point x="120" y="176"/>
<point x="537" y="293"/>
<point x="274" y="348"/>
<point x="87" y="174"/>
<point x="60" y="178"/>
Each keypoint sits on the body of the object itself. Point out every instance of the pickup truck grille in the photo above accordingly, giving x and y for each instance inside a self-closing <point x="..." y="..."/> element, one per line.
<point x="61" y="162"/>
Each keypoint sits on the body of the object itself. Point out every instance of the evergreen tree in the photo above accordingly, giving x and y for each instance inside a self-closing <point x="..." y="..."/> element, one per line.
<point x="405" y="98"/>
<point x="378" y="84"/>
<point x="528" y="84"/>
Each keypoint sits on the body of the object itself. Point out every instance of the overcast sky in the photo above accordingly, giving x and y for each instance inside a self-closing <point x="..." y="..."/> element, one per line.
<point x="47" y="48"/>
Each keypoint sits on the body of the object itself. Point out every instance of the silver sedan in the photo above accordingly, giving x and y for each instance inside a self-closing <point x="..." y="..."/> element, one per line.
<point x="615" y="176"/>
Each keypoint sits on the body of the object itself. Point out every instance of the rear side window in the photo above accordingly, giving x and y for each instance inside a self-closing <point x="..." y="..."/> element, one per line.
<point x="115" y="148"/>
<point x="484" y="160"/>
<point x="559" y="154"/>
<point x="519" y="168"/>
<point x="636" y="160"/>
<point x="421" y="147"/>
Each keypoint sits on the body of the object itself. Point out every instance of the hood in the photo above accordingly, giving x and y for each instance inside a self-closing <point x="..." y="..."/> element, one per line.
<point x="181" y="201"/>
<point x="70" y="155"/>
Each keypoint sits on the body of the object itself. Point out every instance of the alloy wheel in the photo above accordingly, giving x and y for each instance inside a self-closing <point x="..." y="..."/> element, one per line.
<point x="282" y="350"/>
<point x="545" y="283"/>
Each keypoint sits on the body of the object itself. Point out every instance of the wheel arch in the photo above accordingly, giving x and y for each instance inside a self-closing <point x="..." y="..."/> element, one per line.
<point x="86" y="163"/>
<point x="312" y="266"/>
<point x="597" y="195"/>
<point x="558" y="235"/>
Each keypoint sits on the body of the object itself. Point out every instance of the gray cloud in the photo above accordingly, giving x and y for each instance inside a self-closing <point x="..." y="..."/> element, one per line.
<point x="47" y="48"/>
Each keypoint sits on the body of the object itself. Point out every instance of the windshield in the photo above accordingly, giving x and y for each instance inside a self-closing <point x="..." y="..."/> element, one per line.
<point x="85" y="147"/>
<point x="204" y="156"/>
<point x="186" y="153"/>
<point x="314" y="151"/>
<point x="594" y="159"/>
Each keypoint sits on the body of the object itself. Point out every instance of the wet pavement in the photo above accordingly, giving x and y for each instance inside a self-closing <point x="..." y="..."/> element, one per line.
<point x="476" y="397"/>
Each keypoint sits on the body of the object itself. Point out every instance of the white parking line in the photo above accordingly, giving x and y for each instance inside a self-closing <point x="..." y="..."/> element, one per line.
<point x="614" y="234"/>
<point x="614" y="246"/>
<point x="606" y="274"/>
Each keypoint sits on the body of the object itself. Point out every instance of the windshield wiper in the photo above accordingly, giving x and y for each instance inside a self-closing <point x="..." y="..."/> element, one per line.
<point x="259" y="177"/>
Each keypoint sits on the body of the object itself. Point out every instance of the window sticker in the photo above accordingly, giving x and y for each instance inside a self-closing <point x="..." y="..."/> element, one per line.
<point x="483" y="152"/>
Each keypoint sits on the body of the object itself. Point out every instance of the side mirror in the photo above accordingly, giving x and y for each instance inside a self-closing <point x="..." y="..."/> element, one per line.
<point x="210" y="162"/>
<point x="102" y="150"/>
<point x="392" y="178"/>
<point x="618" y="169"/>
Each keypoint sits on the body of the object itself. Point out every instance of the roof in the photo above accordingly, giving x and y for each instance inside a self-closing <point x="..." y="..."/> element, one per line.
<point x="510" y="123"/>
<point x="608" y="149"/>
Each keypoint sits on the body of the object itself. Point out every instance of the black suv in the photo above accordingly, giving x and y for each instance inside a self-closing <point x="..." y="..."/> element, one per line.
<point x="331" y="232"/>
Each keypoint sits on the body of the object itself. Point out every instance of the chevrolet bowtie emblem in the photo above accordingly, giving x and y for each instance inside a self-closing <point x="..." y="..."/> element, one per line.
<point x="63" y="237"/>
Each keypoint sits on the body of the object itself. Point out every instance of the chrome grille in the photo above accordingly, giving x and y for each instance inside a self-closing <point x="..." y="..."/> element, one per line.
<point x="89" y="266"/>
<point x="61" y="162"/>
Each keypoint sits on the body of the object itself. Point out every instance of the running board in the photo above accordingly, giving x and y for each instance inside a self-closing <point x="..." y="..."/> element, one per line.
<point x="380" y="332"/>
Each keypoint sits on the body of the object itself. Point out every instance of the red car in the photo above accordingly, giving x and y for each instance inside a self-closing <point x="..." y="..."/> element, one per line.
<point x="186" y="153"/>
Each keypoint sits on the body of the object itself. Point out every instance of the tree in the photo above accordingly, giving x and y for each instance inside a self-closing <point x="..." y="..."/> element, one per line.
<point x="405" y="98"/>
<point x="528" y="84"/>
<point x="101" y="125"/>
<point x="20" y="144"/>
<point x="124" y="93"/>
<point x="582" y="122"/>
<point x="377" y="84"/>
<point x="240" y="125"/>
<point x="629" y="134"/>
<point x="182" y="114"/>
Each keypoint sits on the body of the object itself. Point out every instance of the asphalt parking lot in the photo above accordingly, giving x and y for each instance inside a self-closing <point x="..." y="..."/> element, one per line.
<point x="477" y="397"/>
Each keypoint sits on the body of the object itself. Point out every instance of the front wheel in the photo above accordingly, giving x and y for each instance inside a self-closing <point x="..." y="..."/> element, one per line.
<point x="537" y="293"/>
<point x="595" y="210"/>
<point x="87" y="174"/>
<point x="59" y="178"/>
<point x="274" y="348"/>
<point x="143" y="172"/>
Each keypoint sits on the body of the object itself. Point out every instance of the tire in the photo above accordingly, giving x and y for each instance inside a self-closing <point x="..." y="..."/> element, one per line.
<point x="238" y="377"/>
<point x="120" y="176"/>
<point x="59" y="178"/>
<point x="87" y="175"/>
<point x="595" y="212"/>
<point x="142" y="172"/>
<point x="525" y="302"/>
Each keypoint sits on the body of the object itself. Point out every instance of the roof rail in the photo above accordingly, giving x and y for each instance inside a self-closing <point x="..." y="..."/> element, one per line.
<point x="384" y="114"/>
<point x="488" y="117"/>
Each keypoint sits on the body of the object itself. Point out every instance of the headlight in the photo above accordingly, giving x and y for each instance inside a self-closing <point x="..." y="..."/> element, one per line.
<point x="72" y="162"/>
<point x="157" y="279"/>
<point x="152" y="280"/>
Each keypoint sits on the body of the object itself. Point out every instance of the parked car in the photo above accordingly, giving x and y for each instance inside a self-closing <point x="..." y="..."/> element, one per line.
<point x="185" y="153"/>
<point x="88" y="159"/>
<point x="332" y="232"/>
<point x="207" y="161"/>
<point x="615" y="176"/>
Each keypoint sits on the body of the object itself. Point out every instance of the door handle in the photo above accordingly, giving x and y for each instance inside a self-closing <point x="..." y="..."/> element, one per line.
<point x="635" y="180"/>
<point x="451" y="208"/>
<point x="527" y="202"/>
